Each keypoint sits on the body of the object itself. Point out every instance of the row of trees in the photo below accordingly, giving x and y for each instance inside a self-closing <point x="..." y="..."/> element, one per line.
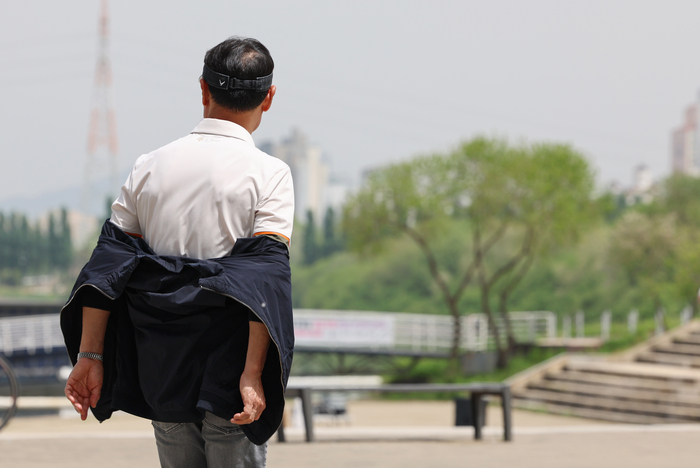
<point x="26" y="248"/>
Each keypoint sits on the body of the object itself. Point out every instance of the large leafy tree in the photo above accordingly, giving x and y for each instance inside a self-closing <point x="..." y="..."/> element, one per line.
<point x="516" y="201"/>
<point x="658" y="245"/>
<point x="645" y="248"/>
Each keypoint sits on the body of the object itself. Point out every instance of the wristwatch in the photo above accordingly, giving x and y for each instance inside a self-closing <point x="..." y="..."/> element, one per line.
<point x="95" y="356"/>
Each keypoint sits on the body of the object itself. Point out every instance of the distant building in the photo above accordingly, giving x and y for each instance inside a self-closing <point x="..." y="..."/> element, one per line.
<point x="313" y="189"/>
<point x="685" y="144"/>
<point x="643" y="189"/>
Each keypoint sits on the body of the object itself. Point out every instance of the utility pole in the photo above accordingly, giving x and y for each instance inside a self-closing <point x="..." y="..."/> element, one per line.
<point x="102" y="133"/>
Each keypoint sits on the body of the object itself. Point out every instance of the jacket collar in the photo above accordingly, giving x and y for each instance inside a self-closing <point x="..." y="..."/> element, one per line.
<point x="224" y="128"/>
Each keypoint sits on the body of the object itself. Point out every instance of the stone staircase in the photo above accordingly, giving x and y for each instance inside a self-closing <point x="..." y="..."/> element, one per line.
<point x="655" y="382"/>
<point x="683" y="350"/>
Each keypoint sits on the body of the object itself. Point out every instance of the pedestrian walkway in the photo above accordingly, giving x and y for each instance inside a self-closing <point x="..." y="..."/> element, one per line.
<point x="382" y="434"/>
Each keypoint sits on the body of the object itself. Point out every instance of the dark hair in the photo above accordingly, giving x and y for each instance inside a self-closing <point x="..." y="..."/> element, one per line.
<point x="242" y="58"/>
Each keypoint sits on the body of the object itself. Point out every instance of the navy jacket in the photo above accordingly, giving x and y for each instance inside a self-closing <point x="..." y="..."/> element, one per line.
<point x="177" y="336"/>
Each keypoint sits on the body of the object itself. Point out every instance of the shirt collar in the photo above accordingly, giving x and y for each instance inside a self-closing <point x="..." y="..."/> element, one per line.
<point x="224" y="128"/>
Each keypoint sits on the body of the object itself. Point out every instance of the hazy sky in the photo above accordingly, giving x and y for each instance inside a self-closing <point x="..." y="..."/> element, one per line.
<point x="370" y="82"/>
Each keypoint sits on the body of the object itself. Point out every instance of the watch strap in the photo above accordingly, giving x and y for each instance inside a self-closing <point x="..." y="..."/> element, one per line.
<point x="95" y="356"/>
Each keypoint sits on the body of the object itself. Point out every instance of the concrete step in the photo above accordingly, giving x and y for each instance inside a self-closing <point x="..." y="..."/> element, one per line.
<point x="591" y="413"/>
<point x="678" y="348"/>
<point x="659" y="410"/>
<point x="670" y="359"/>
<point x="620" y="393"/>
<point x="671" y="373"/>
<point x="687" y="339"/>
<point x="641" y="383"/>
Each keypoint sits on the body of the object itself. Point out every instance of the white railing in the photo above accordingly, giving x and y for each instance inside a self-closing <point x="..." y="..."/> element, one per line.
<point x="528" y="326"/>
<point x="30" y="333"/>
<point x="415" y="332"/>
<point x="331" y="329"/>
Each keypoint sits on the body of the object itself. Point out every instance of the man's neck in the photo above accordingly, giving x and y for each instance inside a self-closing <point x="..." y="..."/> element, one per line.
<point x="249" y="120"/>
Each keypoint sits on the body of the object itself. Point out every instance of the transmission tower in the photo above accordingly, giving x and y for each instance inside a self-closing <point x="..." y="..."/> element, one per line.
<point x="102" y="133"/>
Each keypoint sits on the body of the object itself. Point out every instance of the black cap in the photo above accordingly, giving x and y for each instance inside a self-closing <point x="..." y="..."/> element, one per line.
<point x="221" y="81"/>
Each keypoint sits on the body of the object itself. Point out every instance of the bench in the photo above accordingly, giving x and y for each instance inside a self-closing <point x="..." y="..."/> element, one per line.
<point x="477" y="391"/>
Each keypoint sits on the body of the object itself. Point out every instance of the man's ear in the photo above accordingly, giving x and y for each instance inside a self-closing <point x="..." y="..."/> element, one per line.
<point x="206" y="96"/>
<point x="268" y="99"/>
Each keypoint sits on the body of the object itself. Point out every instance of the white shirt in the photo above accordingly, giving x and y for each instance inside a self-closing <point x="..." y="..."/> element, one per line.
<point x="197" y="195"/>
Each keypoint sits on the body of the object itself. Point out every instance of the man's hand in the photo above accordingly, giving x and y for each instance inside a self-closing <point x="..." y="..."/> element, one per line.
<point x="84" y="385"/>
<point x="253" y="399"/>
<point x="251" y="383"/>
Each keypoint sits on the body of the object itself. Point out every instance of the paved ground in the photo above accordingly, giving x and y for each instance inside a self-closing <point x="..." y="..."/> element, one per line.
<point x="375" y="434"/>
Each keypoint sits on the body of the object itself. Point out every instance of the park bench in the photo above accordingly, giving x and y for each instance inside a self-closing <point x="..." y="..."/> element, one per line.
<point x="477" y="391"/>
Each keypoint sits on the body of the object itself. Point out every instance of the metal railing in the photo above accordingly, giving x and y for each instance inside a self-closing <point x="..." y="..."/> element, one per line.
<point x="330" y="329"/>
<point x="415" y="332"/>
<point x="30" y="333"/>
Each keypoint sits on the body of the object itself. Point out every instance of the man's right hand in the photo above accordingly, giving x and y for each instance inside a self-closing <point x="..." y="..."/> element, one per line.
<point x="84" y="385"/>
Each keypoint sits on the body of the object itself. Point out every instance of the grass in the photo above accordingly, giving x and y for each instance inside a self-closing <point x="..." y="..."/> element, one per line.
<point x="444" y="371"/>
<point x="16" y="292"/>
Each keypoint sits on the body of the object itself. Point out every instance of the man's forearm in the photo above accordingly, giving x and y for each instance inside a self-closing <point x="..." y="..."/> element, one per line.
<point x="252" y="391"/>
<point x="84" y="384"/>
<point x="94" y="327"/>
<point x="258" y="342"/>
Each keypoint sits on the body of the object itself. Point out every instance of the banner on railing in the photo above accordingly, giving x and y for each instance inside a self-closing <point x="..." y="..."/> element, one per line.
<point x="350" y="331"/>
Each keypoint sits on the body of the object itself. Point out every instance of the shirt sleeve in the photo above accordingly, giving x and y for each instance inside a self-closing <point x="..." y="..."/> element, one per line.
<point x="95" y="299"/>
<point x="274" y="213"/>
<point x="253" y="318"/>
<point x="124" y="208"/>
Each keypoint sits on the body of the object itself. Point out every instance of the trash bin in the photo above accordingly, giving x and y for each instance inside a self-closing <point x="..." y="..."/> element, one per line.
<point x="463" y="412"/>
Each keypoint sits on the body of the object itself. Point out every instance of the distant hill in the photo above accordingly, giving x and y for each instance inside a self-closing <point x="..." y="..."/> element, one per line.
<point x="69" y="198"/>
<point x="34" y="207"/>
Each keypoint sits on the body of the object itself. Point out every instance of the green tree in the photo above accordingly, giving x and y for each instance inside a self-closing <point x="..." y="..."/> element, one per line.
<point x="645" y="248"/>
<point x="14" y="240"/>
<point x="310" y="247"/>
<point x="331" y="241"/>
<point x="518" y="202"/>
<point x="65" y="248"/>
<point x="658" y="246"/>
<point x="53" y="242"/>
<point x="4" y="242"/>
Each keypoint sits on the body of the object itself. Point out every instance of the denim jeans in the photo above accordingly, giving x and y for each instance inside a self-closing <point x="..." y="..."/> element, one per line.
<point x="212" y="443"/>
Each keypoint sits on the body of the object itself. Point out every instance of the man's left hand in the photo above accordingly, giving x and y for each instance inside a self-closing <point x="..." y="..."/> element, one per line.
<point x="253" y="399"/>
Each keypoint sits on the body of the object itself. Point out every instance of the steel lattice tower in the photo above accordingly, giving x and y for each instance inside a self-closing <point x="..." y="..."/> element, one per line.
<point x="102" y="131"/>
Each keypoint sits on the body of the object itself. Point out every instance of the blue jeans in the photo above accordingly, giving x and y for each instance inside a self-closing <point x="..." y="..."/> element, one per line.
<point x="213" y="443"/>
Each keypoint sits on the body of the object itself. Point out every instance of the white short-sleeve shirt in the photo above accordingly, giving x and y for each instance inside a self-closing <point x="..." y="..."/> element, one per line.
<point x="197" y="195"/>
